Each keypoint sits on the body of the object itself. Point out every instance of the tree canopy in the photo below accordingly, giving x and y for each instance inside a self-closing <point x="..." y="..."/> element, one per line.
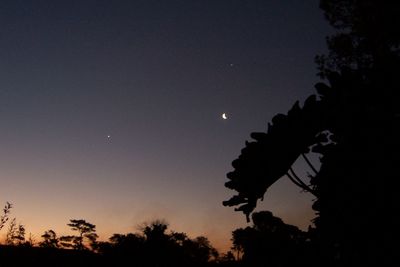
<point x="269" y="241"/>
<point x="353" y="123"/>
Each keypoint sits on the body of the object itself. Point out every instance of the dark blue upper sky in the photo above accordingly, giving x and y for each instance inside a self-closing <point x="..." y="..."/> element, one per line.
<point x="155" y="76"/>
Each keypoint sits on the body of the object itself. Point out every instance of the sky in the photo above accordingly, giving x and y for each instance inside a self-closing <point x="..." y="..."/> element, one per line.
<point x="110" y="111"/>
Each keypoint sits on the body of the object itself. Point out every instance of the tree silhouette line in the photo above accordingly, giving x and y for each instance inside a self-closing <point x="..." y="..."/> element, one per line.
<point x="153" y="245"/>
<point x="268" y="238"/>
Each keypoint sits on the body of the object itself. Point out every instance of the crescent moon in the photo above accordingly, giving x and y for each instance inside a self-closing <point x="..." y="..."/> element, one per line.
<point x="224" y="116"/>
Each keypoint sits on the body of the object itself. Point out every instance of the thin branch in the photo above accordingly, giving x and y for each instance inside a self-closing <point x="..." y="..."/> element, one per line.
<point x="309" y="163"/>
<point x="302" y="186"/>
<point x="294" y="181"/>
<point x="4" y="216"/>
<point x="300" y="182"/>
<point x="297" y="178"/>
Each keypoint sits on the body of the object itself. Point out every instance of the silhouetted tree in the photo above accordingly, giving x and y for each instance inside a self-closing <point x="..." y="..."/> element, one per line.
<point x="227" y="257"/>
<point x="129" y="243"/>
<point x="367" y="34"/>
<point x="179" y="238"/>
<point x="156" y="231"/>
<point x="354" y="125"/>
<point x="50" y="239"/>
<point x="15" y="234"/>
<point x="4" y="217"/>
<point x="124" y="248"/>
<point x="128" y="240"/>
<point x="157" y="243"/>
<point x="86" y="234"/>
<point x="205" y="251"/>
<point x="67" y="241"/>
<point x="155" y="246"/>
<point x="240" y="240"/>
<point x="270" y="241"/>
<point x="31" y="241"/>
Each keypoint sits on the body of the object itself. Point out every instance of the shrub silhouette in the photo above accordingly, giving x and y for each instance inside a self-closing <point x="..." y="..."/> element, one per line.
<point x="15" y="233"/>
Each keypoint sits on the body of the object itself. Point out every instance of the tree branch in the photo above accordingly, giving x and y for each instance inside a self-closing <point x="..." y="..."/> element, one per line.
<point x="297" y="181"/>
<point x="309" y="163"/>
<point x="294" y="181"/>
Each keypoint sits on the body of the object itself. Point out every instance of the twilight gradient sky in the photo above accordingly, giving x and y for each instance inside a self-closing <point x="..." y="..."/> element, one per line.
<point x="155" y="76"/>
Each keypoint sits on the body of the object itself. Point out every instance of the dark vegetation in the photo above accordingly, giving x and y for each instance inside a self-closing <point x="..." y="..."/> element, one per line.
<point x="352" y="123"/>
<point x="152" y="246"/>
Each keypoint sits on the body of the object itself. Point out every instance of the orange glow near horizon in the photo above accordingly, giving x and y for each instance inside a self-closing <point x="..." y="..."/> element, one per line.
<point x="113" y="216"/>
<point x="111" y="112"/>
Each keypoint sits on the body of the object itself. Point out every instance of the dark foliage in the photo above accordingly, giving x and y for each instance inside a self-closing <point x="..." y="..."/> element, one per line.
<point x="85" y="239"/>
<point x="21" y="256"/>
<point x="153" y="247"/>
<point x="354" y="125"/>
<point x="50" y="240"/>
<point x="368" y="34"/>
<point x="271" y="240"/>
<point x="156" y="247"/>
